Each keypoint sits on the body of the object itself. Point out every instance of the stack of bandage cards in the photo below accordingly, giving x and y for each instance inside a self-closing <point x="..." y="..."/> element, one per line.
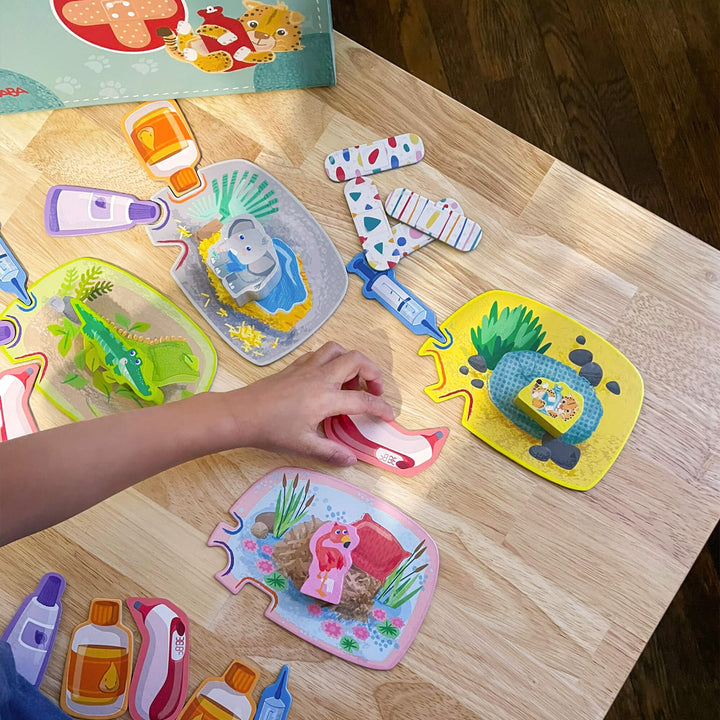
<point x="384" y="245"/>
<point x="421" y="220"/>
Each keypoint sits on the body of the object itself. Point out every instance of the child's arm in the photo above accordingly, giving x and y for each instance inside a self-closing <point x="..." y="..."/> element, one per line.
<point x="50" y="476"/>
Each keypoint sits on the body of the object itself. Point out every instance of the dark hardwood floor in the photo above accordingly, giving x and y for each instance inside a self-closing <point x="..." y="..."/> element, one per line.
<point x="628" y="92"/>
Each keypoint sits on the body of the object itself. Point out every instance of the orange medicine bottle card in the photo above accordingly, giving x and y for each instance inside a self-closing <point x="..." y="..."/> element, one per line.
<point x="163" y="142"/>
<point x="224" y="698"/>
<point x="98" y="665"/>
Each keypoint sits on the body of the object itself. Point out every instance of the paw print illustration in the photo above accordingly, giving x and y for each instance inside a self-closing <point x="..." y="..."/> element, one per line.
<point x="67" y="85"/>
<point x="97" y="63"/>
<point x="111" y="89"/>
<point x="145" y="67"/>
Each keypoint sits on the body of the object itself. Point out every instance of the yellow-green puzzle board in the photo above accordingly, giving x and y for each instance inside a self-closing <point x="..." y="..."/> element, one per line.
<point x="74" y="379"/>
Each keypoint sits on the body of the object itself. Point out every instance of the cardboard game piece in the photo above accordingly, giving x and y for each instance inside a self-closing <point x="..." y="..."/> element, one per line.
<point x="16" y="418"/>
<point x="229" y="697"/>
<point x="32" y="630"/>
<point x="275" y="700"/>
<point x="331" y="548"/>
<point x="90" y="326"/>
<point x="245" y="260"/>
<point x="163" y="142"/>
<point x="387" y="589"/>
<point x="160" y="679"/>
<point x="387" y="445"/>
<point x="371" y="223"/>
<point x="99" y="663"/>
<point x="408" y="239"/>
<point x="384" y="245"/>
<point x="499" y="344"/>
<point x="552" y="405"/>
<point x="412" y="312"/>
<point x="72" y="210"/>
<point x="312" y="279"/>
<point x="387" y="154"/>
<point x="447" y="225"/>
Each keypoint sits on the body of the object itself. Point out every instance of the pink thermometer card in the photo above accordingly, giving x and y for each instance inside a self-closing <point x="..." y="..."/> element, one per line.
<point x="386" y="591"/>
<point x="160" y="679"/>
<point x="16" y="384"/>
<point x="386" y="444"/>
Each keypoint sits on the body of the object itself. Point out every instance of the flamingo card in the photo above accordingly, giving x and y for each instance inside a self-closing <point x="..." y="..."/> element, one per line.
<point x="386" y="444"/>
<point x="299" y="536"/>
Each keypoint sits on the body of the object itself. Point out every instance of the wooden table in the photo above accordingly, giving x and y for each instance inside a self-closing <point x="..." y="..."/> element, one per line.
<point x="546" y="596"/>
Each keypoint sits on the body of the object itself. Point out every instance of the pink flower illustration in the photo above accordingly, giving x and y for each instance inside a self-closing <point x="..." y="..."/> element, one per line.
<point x="333" y="629"/>
<point x="265" y="567"/>
<point x="250" y="545"/>
<point x="314" y="610"/>
<point x="267" y="549"/>
<point x="397" y="622"/>
<point x="360" y="632"/>
<point x="379" y="614"/>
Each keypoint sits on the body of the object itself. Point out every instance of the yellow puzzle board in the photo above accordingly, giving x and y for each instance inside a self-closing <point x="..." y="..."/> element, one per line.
<point x="461" y="374"/>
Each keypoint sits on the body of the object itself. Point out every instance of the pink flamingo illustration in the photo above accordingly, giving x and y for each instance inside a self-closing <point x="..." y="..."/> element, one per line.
<point x="331" y="546"/>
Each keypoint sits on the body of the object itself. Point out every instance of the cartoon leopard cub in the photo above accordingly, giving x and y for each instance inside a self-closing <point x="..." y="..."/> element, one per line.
<point x="224" y="44"/>
<point x="552" y="402"/>
<point x="271" y="29"/>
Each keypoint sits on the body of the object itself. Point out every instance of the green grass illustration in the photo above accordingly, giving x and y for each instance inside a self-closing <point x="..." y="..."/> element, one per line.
<point x="507" y="331"/>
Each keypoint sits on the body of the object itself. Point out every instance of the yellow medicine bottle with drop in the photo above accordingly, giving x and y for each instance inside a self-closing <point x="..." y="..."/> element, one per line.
<point x="98" y="665"/>
<point x="163" y="142"/>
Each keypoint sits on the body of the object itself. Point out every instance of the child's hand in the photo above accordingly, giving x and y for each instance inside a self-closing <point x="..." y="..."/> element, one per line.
<point x="282" y="412"/>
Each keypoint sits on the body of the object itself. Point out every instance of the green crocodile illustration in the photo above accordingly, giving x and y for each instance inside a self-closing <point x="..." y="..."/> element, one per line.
<point x="141" y="364"/>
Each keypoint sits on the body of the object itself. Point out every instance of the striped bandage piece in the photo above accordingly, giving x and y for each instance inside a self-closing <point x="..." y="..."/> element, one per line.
<point x="424" y="215"/>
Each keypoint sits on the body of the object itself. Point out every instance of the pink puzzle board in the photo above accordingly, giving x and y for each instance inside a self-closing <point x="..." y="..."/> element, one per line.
<point x="386" y="592"/>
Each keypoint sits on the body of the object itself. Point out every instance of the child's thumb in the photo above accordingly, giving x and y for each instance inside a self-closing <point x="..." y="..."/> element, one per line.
<point x="331" y="452"/>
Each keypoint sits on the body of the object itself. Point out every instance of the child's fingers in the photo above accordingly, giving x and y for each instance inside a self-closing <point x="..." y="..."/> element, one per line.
<point x="354" y="364"/>
<point x="331" y="452"/>
<point x="353" y="384"/>
<point x="358" y="402"/>
<point x="327" y="353"/>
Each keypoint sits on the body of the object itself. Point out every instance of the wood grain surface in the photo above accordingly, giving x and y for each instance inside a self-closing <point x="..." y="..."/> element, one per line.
<point x="545" y="596"/>
<point x="627" y="92"/>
